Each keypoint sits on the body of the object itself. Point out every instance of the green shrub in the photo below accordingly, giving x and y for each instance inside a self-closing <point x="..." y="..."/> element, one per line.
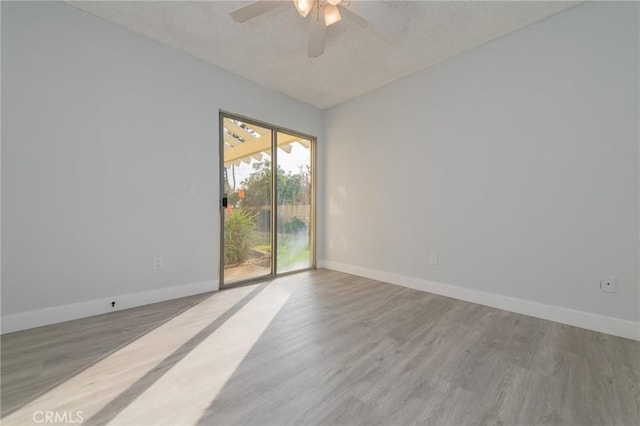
<point x="238" y="236"/>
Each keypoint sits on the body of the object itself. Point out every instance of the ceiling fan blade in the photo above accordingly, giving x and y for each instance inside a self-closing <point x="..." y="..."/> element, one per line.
<point x="317" y="35"/>
<point x="380" y="15"/>
<point x="253" y="9"/>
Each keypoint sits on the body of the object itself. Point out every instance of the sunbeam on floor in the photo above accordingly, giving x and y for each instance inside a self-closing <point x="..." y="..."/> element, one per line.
<point x="170" y="375"/>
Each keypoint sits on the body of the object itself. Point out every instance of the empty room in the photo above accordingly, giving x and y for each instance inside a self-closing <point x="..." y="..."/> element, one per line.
<point x="320" y="212"/>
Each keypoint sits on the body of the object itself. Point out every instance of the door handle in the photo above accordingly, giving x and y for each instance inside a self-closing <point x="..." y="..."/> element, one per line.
<point x="224" y="201"/>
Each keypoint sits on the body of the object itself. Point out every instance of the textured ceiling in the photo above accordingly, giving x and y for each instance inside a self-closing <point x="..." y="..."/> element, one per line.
<point x="272" y="51"/>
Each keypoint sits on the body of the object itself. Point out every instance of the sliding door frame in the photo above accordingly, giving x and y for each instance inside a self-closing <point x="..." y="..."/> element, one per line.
<point x="222" y="114"/>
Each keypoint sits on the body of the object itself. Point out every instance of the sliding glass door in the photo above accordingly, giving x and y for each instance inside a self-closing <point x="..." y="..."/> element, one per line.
<point x="247" y="200"/>
<point x="294" y="203"/>
<point x="268" y="217"/>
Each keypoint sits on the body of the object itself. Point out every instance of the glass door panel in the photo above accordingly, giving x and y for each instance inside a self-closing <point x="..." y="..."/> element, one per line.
<point x="247" y="185"/>
<point x="294" y="218"/>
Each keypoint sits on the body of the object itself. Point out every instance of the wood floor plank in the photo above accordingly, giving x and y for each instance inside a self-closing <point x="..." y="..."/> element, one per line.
<point x="321" y="348"/>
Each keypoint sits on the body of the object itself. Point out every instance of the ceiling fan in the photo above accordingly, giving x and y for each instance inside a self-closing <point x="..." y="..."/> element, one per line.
<point x="323" y="13"/>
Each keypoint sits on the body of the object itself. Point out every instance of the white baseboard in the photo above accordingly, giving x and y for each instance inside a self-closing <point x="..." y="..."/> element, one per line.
<point x="47" y="316"/>
<point x="600" y="323"/>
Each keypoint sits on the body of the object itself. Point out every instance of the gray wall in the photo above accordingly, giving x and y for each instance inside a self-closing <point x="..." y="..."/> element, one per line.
<point x="516" y="162"/>
<point x="103" y="132"/>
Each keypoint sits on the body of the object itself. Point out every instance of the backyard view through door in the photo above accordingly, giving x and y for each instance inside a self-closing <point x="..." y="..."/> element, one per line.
<point x="265" y="192"/>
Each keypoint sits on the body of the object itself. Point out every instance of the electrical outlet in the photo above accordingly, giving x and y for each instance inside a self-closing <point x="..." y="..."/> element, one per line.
<point x="157" y="263"/>
<point x="434" y="258"/>
<point x="609" y="285"/>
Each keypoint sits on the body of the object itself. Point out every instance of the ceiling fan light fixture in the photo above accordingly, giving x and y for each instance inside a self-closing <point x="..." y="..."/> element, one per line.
<point x="326" y="12"/>
<point x="331" y="14"/>
<point x="303" y="7"/>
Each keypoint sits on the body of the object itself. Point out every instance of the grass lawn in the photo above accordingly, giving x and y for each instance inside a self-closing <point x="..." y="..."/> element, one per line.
<point x="293" y="252"/>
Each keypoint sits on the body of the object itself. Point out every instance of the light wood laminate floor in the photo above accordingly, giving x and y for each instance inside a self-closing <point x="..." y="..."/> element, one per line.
<point x="319" y="347"/>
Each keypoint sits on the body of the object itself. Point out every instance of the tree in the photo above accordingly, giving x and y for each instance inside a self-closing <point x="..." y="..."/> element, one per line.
<point x="292" y="188"/>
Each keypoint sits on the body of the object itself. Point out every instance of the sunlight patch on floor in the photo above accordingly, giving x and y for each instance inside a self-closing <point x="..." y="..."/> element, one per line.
<point x="93" y="388"/>
<point x="183" y="394"/>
